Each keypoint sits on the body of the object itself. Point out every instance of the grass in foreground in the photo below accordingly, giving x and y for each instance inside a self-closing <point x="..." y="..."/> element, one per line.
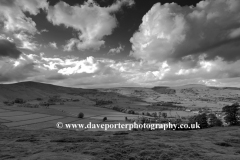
<point x="221" y="143"/>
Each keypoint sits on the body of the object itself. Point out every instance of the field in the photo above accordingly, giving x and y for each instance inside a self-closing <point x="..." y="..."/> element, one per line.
<point x="46" y="118"/>
<point x="215" y="144"/>
<point x="190" y="96"/>
<point x="31" y="133"/>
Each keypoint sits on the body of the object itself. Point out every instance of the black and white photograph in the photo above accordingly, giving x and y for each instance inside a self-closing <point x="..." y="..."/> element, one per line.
<point x="119" y="79"/>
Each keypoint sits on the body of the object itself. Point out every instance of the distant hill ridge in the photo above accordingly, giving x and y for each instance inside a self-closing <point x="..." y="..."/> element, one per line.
<point x="164" y="90"/>
<point x="31" y="90"/>
<point x="194" y="85"/>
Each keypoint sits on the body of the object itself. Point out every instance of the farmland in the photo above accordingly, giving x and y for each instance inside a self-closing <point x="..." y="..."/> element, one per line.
<point x="32" y="120"/>
<point x="28" y="130"/>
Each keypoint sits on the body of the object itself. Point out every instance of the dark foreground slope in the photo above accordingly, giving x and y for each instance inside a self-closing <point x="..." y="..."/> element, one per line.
<point x="31" y="90"/>
<point x="213" y="143"/>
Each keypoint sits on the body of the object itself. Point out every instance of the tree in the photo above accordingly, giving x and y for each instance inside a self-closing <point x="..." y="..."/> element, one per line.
<point x="214" y="121"/>
<point x="130" y="111"/>
<point x="80" y="115"/>
<point x="231" y="113"/>
<point x="148" y="114"/>
<point x="218" y="122"/>
<point x="164" y="115"/>
<point x="19" y="100"/>
<point x="39" y="99"/>
<point x="104" y="119"/>
<point x="201" y="119"/>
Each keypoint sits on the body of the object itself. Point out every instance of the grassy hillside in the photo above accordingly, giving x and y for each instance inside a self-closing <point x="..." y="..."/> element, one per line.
<point x="213" y="143"/>
<point x="31" y="90"/>
<point x="191" y="96"/>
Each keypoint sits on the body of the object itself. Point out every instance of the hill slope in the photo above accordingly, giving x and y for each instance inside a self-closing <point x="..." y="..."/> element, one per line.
<point x="31" y="90"/>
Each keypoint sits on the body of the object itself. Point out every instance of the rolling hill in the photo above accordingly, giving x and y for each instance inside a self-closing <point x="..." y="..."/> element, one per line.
<point x="32" y="90"/>
<point x="192" y="95"/>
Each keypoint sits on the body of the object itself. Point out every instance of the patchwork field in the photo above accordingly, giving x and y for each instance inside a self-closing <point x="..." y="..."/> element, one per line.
<point x="35" y="119"/>
<point x="12" y="114"/>
<point x="191" y="96"/>
<point x="29" y="116"/>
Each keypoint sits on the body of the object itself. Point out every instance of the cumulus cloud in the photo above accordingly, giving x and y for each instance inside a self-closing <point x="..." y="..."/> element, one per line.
<point x="174" y="45"/>
<point x="13" y="16"/>
<point x="17" y="24"/>
<point x="117" y="50"/>
<point x="8" y="49"/>
<point x="99" y="72"/>
<point x="43" y="30"/>
<point x="32" y="6"/>
<point x="199" y="44"/>
<point x="53" y="45"/>
<point x="70" y="44"/>
<point x="25" y="41"/>
<point x="89" y="65"/>
<point x="205" y="70"/>
<point x="173" y="33"/>
<point x="90" y="20"/>
<point x="3" y="36"/>
<point x="62" y="71"/>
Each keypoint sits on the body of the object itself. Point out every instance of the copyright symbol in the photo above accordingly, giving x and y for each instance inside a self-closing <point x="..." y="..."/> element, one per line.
<point x="59" y="125"/>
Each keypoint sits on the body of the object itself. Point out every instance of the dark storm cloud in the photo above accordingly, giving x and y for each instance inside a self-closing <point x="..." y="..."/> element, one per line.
<point x="7" y="2"/>
<point x="18" y="73"/>
<point x="228" y="49"/>
<point x="8" y="49"/>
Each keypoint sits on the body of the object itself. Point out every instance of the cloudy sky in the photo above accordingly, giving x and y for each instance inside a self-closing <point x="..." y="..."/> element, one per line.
<point x="112" y="43"/>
